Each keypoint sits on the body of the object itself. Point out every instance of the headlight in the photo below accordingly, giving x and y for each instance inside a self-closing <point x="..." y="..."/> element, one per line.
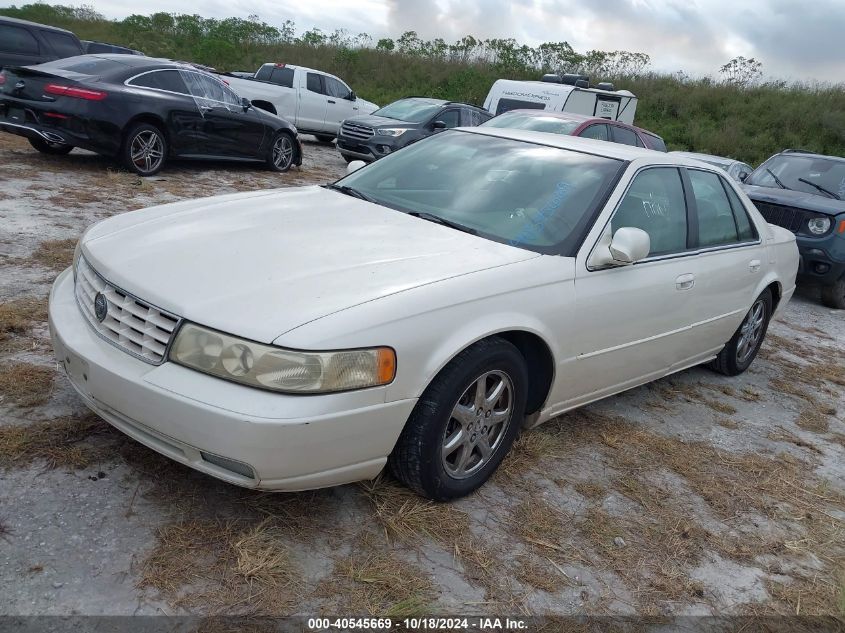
<point x="392" y="131"/>
<point x="818" y="226"/>
<point x="278" y="369"/>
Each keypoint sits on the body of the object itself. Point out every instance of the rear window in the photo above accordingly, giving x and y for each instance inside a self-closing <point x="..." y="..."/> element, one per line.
<point x="282" y="77"/>
<point x="93" y="66"/>
<point x="14" y="39"/>
<point x="655" y="142"/>
<point x="169" y="80"/>
<point x="64" y="45"/>
<point x="505" y="105"/>
<point x="624" y="136"/>
<point x="536" y="122"/>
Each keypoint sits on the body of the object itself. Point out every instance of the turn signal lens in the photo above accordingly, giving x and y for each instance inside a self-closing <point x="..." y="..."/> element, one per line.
<point x="76" y="93"/>
<point x="278" y="369"/>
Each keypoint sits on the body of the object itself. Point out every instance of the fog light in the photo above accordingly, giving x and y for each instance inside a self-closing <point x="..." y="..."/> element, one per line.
<point x="821" y="268"/>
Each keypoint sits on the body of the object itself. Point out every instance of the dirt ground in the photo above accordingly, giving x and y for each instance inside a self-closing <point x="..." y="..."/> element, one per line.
<point x="696" y="494"/>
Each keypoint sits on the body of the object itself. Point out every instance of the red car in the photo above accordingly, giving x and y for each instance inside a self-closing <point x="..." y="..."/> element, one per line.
<point x="577" y="125"/>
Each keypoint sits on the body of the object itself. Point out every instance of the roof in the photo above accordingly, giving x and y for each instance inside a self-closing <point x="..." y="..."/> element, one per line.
<point x="807" y="152"/>
<point x="3" y="18"/>
<point x="588" y="145"/>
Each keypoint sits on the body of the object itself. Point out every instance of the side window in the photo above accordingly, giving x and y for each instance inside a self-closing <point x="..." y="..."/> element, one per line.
<point x="655" y="203"/>
<point x="282" y="77"/>
<point x="745" y="228"/>
<point x="63" y="44"/>
<point x="624" y="136"/>
<point x="656" y="143"/>
<point x="161" y="80"/>
<point x="452" y="117"/>
<point x="264" y="73"/>
<point x="472" y="117"/>
<point x="335" y="88"/>
<point x="597" y="131"/>
<point x="314" y="83"/>
<point x="716" y="223"/>
<point x="14" y="39"/>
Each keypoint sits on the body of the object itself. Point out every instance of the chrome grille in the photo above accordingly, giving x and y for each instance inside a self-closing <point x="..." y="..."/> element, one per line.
<point x="132" y="325"/>
<point x="356" y="131"/>
<point x="789" y="218"/>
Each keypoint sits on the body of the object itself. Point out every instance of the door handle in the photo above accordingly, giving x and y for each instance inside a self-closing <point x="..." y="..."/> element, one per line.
<point x="754" y="265"/>
<point x="685" y="282"/>
<point x="331" y="101"/>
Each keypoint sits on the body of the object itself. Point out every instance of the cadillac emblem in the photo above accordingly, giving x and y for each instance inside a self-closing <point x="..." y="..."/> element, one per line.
<point x="101" y="307"/>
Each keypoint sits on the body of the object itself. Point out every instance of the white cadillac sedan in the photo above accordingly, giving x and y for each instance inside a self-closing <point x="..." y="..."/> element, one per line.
<point x="419" y="312"/>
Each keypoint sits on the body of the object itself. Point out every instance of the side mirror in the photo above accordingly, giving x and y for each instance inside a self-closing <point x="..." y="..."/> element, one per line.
<point x="627" y="246"/>
<point x="246" y="104"/>
<point x="743" y="175"/>
<point x="351" y="96"/>
<point x="438" y="125"/>
<point x="354" y="166"/>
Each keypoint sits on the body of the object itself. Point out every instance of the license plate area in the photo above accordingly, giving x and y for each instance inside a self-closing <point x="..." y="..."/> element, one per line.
<point x="15" y="115"/>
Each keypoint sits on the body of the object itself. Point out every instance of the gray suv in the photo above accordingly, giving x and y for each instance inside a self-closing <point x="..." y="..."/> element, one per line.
<point x="369" y="137"/>
<point x="25" y="43"/>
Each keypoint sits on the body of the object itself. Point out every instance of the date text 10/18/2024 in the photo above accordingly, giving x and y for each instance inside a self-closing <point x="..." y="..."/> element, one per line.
<point x="417" y="624"/>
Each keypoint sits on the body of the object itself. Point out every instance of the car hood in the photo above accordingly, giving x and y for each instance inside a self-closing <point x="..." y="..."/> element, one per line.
<point x="801" y="199"/>
<point x="260" y="264"/>
<point x="380" y="121"/>
<point x="367" y="106"/>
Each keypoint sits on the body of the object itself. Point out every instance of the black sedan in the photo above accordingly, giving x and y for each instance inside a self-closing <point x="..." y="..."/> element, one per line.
<point x="142" y="111"/>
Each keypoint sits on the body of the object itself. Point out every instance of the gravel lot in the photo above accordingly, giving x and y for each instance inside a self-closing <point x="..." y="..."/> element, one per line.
<point x="696" y="494"/>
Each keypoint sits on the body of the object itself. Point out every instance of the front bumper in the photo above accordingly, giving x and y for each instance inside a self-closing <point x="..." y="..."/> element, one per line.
<point x="821" y="261"/>
<point x="369" y="150"/>
<point x="245" y="436"/>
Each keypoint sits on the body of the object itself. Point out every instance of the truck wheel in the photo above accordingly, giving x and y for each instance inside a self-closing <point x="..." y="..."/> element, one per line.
<point x="46" y="147"/>
<point x="464" y="423"/>
<point x="833" y="295"/>
<point x="324" y="138"/>
<point x="742" y="349"/>
<point x="282" y="152"/>
<point x="144" y="149"/>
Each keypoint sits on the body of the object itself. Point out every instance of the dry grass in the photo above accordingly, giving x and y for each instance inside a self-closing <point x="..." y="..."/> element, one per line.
<point x="53" y="254"/>
<point x="813" y="420"/>
<point x="750" y="394"/>
<point x="25" y="384"/>
<point x="541" y="573"/>
<point x="60" y="443"/>
<point x="18" y="316"/>
<point x="373" y="580"/>
<point x="590" y="490"/>
<point x="230" y="566"/>
<point x="728" y="423"/>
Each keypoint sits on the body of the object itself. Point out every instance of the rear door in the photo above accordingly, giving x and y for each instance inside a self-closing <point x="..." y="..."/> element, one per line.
<point x="18" y="46"/>
<point x="313" y="102"/>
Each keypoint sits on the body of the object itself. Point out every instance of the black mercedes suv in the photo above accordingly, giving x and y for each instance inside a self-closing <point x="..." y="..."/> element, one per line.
<point x="368" y="137"/>
<point x="805" y="193"/>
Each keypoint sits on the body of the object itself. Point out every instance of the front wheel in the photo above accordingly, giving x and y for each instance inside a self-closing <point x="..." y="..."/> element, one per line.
<point x="46" y="147"/>
<point x="281" y="154"/>
<point x="464" y="423"/>
<point x="742" y="349"/>
<point x="144" y="149"/>
<point x="833" y="295"/>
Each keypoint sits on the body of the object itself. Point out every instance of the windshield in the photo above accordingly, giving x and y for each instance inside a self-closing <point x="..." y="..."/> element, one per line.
<point x="538" y="123"/>
<point x="522" y="194"/>
<point x="788" y="169"/>
<point x="411" y="110"/>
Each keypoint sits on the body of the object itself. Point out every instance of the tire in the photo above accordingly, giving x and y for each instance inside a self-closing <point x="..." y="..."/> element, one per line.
<point x="281" y="153"/>
<point x="448" y="409"/>
<point x="741" y="351"/>
<point x="324" y="138"/>
<point x="833" y="295"/>
<point x="144" y="149"/>
<point x="46" y="147"/>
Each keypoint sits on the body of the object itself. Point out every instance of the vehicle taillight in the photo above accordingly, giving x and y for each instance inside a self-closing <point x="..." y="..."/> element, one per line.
<point x="279" y="65"/>
<point x="76" y="93"/>
<point x="2" y="78"/>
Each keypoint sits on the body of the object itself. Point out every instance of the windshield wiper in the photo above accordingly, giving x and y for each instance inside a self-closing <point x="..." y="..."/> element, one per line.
<point x="438" y="220"/>
<point x="820" y="188"/>
<point x="350" y="191"/>
<point x="777" y="180"/>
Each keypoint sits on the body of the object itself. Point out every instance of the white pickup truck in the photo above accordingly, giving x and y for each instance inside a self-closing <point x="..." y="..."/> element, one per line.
<point x="314" y="101"/>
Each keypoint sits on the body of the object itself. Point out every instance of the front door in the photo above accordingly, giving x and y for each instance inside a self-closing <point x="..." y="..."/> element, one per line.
<point x="339" y="106"/>
<point x="313" y="103"/>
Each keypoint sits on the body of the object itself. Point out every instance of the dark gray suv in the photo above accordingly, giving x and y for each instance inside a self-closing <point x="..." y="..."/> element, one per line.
<point x="804" y="192"/>
<point x="369" y="137"/>
<point x="25" y="43"/>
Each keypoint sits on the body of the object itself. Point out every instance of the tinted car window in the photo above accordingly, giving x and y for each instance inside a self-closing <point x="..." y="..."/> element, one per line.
<point x="282" y="77"/>
<point x="169" y="80"/>
<point x="336" y="88"/>
<point x="624" y="136"/>
<point x="63" y="44"/>
<point x="802" y="173"/>
<point x="656" y="143"/>
<point x="451" y="117"/>
<point x="15" y="39"/>
<point x="597" y="131"/>
<point x="472" y="117"/>
<point x="315" y="83"/>
<point x="716" y="223"/>
<point x="523" y="194"/>
<point x="655" y="203"/>
<point x="93" y="66"/>
<point x="744" y="227"/>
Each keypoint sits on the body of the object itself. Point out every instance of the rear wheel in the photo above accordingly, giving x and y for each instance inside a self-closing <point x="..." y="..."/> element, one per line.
<point x="47" y="147"/>
<point x="464" y="423"/>
<point x="281" y="153"/>
<point x="833" y="295"/>
<point x="144" y="149"/>
<point x="324" y="138"/>
<point x="742" y="349"/>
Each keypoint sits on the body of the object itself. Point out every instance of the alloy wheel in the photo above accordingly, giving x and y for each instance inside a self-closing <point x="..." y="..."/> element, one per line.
<point x="750" y="331"/>
<point x="282" y="152"/>
<point x="477" y="424"/>
<point x="147" y="151"/>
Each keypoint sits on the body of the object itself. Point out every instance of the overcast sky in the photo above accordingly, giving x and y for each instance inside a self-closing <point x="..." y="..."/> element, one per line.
<point x="795" y="39"/>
